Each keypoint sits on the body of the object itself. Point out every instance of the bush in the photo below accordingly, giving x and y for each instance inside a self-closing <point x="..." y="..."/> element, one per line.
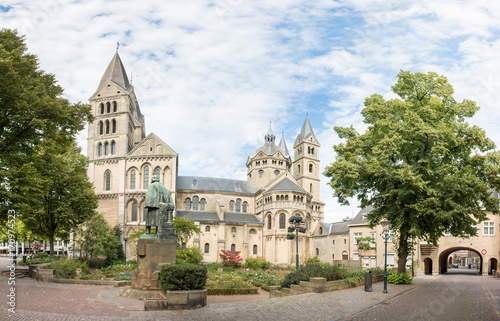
<point x="257" y="263"/>
<point x="66" y="268"/>
<point x="183" y="277"/>
<point x="189" y="255"/>
<point x="231" y="258"/>
<point x="322" y="270"/>
<point x="313" y="260"/>
<point x="41" y="255"/>
<point x="403" y="278"/>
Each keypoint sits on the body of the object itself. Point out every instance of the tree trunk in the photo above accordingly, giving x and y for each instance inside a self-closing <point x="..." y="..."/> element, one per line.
<point x="51" y="240"/>
<point x="402" y="251"/>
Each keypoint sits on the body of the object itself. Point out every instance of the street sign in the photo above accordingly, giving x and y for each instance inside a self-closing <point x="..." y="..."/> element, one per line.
<point x="483" y="252"/>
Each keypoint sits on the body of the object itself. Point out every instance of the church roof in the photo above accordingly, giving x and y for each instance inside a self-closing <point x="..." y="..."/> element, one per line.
<point x="282" y="145"/>
<point x="287" y="185"/>
<point x="203" y="216"/>
<point x="196" y="183"/>
<point x="269" y="148"/>
<point x="339" y="228"/>
<point x="306" y="129"/>
<point x="116" y="73"/>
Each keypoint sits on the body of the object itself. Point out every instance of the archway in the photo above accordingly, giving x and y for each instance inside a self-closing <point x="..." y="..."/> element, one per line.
<point x="492" y="265"/>
<point x="428" y="266"/>
<point x="443" y="258"/>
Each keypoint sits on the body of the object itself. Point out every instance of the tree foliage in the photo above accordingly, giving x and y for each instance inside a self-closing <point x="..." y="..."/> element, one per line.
<point x="184" y="229"/>
<point x="98" y="238"/>
<point x="32" y="113"/>
<point x="419" y="163"/>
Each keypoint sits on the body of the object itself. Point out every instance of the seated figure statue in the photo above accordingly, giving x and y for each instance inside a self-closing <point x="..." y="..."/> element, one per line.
<point x="158" y="203"/>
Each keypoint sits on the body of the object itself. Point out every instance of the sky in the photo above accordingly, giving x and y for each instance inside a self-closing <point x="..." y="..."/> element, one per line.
<point x="211" y="75"/>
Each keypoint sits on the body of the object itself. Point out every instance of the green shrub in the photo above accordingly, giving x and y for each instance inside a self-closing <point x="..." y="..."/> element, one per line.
<point x="257" y="263"/>
<point x="313" y="260"/>
<point x="227" y="280"/>
<point x="41" y="255"/>
<point x="189" y="255"/>
<point x="403" y="278"/>
<point x="94" y="275"/>
<point x="182" y="277"/>
<point x="66" y="268"/>
<point x="316" y="270"/>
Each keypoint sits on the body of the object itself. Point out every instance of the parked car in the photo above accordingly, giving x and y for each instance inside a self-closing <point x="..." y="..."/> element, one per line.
<point x="455" y="265"/>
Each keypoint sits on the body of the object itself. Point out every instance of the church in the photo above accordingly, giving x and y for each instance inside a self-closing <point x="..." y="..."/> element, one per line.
<point x="250" y="216"/>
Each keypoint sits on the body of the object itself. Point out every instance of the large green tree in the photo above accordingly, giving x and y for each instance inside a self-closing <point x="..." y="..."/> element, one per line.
<point x="63" y="198"/>
<point x="419" y="163"/>
<point x="32" y="112"/>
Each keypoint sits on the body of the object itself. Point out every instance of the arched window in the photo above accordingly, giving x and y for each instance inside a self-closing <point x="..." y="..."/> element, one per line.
<point x="245" y="206"/>
<point x="207" y="248"/>
<point x="207" y="228"/>
<point x="203" y="203"/>
<point x="233" y="247"/>
<point x="195" y="203"/>
<point x="269" y="222"/>
<point x="113" y="148"/>
<point x="183" y="245"/>
<point x="134" y="212"/>
<point x="282" y="221"/>
<point x="107" y="126"/>
<point x="310" y="168"/>
<point x="233" y="230"/>
<point x="157" y="172"/>
<point x="132" y="179"/>
<point x="187" y="204"/>
<point x="101" y="128"/>
<point x="115" y="107"/>
<point x="101" y="108"/>
<point x="106" y="148"/>
<point x="238" y="205"/>
<point x="320" y="230"/>
<point x="108" y="107"/>
<point x="317" y="251"/>
<point x="107" y="180"/>
<point x="231" y="206"/>
<point x="113" y="125"/>
<point x="252" y="231"/>
<point x="99" y="149"/>
<point x="298" y="166"/>
<point x="254" y="249"/>
<point x="277" y="198"/>
<point x="310" y="188"/>
<point x="286" y="197"/>
<point x="146" y="177"/>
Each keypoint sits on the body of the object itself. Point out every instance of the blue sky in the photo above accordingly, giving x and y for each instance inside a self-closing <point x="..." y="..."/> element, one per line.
<point x="211" y="75"/>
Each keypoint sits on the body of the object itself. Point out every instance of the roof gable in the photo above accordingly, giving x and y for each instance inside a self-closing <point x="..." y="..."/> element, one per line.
<point x="152" y="145"/>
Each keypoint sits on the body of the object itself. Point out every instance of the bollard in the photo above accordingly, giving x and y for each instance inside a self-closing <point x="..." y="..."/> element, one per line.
<point x="368" y="281"/>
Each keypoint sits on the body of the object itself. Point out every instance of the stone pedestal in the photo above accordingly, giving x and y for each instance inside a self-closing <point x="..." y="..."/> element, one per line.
<point x="152" y="253"/>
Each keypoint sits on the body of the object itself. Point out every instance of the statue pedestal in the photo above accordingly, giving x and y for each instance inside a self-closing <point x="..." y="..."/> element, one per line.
<point x="152" y="253"/>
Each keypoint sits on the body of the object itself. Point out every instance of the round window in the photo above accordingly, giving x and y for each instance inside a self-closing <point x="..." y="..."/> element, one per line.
<point x="276" y="172"/>
<point x="261" y="172"/>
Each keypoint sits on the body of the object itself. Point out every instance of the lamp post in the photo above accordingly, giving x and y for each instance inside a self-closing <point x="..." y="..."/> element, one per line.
<point x="295" y="222"/>
<point x="385" y="225"/>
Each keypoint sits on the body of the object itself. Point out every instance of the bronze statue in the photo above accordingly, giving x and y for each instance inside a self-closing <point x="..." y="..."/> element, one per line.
<point x="158" y="206"/>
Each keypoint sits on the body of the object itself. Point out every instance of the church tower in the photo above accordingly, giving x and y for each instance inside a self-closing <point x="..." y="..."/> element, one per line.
<point x="268" y="161"/>
<point x="306" y="168"/>
<point x="118" y="123"/>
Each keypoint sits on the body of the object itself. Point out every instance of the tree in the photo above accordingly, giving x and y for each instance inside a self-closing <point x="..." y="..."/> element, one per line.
<point x="184" y="229"/>
<point x="419" y="163"/>
<point x="97" y="238"/>
<point x="64" y="198"/>
<point x="32" y="112"/>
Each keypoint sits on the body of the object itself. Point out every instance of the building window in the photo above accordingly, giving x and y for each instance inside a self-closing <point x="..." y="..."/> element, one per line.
<point x="207" y="228"/>
<point x="101" y="108"/>
<point x="195" y="203"/>
<point x="489" y="228"/>
<point x="231" y="206"/>
<point x="356" y="235"/>
<point x="233" y="230"/>
<point x="183" y="245"/>
<point x="106" y="148"/>
<point x="115" y="107"/>
<point x="238" y="205"/>
<point x="345" y="241"/>
<point x="203" y="203"/>
<point x="269" y="222"/>
<point x="146" y="177"/>
<point x="108" y="107"/>
<point x="333" y="242"/>
<point x="113" y="126"/>
<point x="345" y="256"/>
<point x="317" y="252"/>
<point x="245" y="206"/>
<point x="107" y="126"/>
<point x="107" y="181"/>
<point x="101" y="128"/>
<point x="113" y="148"/>
<point x="134" y="212"/>
<point x="333" y="256"/>
<point x="282" y="221"/>
<point x="252" y="231"/>
<point x="207" y="248"/>
<point x="187" y="204"/>
<point x="157" y="172"/>
<point x="99" y="149"/>
<point x="310" y="168"/>
<point x="233" y="247"/>
<point x="320" y="230"/>
<point x="132" y="179"/>
<point x="254" y="249"/>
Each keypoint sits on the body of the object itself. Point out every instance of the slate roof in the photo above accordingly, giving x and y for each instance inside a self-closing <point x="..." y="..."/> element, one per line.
<point x="203" y="216"/>
<point x="197" y="183"/>
<point x="242" y="218"/>
<point x="116" y="73"/>
<point x="282" y="145"/>
<point x="358" y="219"/>
<point x="306" y="129"/>
<point x="287" y="185"/>
<point x="339" y="228"/>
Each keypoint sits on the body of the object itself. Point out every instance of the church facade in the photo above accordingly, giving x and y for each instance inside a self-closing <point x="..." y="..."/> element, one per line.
<point x="249" y="215"/>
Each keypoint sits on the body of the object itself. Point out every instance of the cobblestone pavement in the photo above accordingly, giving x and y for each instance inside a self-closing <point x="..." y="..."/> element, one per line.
<point x="50" y="301"/>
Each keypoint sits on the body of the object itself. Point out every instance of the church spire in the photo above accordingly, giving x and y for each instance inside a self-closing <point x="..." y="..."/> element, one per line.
<point x="116" y="73"/>
<point x="282" y="145"/>
<point x="306" y="129"/>
<point x="270" y="138"/>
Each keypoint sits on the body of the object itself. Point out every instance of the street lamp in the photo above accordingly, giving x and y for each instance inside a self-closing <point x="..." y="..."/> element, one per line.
<point x="385" y="224"/>
<point x="295" y="222"/>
